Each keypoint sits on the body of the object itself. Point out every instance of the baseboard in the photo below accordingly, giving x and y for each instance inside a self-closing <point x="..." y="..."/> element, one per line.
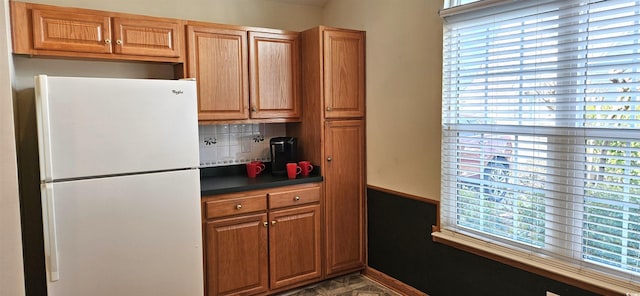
<point x="391" y="283"/>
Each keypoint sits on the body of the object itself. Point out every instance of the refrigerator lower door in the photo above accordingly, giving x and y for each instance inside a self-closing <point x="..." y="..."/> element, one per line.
<point x="127" y="235"/>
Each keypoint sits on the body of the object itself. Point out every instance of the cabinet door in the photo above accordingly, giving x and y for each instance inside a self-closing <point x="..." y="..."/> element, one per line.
<point x="67" y="31"/>
<point x="236" y="256"/>
<point x="147" y="37"/>
<point x="343" y="74"/>
<point x="218" y="60"/>
<point x="344" y="184"/>
<point x="274" y="68"/>
<point x="294" y="246"/>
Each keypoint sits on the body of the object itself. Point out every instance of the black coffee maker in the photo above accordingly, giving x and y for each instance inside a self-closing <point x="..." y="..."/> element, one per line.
<point x="283" y="150"/>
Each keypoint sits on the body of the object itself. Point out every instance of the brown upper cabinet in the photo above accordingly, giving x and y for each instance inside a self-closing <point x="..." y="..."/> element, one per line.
<point x="343" y="73"/>
<point x="82" y="33"/>
<point x="217" y="58"/>
<point x="275" y="82"/>
<point x="244" y="74"/>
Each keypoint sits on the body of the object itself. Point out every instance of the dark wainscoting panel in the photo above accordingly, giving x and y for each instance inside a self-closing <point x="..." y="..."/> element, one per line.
<point x="400" y="246"/>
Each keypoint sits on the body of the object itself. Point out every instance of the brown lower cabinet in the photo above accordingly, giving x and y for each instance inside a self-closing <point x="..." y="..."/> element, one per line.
<point x="236" y="255"/>
<point x="344" y="171"/>
<point x="262" y="241"/>
<point x="294" y="246"/>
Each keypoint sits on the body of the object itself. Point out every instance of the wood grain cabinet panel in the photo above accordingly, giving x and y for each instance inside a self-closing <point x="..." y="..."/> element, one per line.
<point x="147" y="37"/>
<point x="222" y="207"/>
<point x="236" y="256"/>
<point x="343" y="74"/>
<point x="218" y="59"/>
<point x="275" y="75"/>
<point x="345" y="190"/>
<point x="65" y="31"/>
<point x="48" y="30"/>
<point x="294" y="246"/>
<point x="296" y="197"/>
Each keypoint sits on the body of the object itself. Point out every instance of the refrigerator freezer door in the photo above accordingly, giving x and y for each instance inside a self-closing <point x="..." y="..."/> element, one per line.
<point x="104" y="126"/>
<point x="127" y="235"/>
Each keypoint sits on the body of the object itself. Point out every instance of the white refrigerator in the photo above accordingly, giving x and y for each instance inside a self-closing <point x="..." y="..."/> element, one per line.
<point x="120" y="186"/>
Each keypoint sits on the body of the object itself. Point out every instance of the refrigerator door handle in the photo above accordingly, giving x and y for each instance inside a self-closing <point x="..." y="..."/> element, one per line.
<point x="44" y="130"/>
<point x="50" y="238"/>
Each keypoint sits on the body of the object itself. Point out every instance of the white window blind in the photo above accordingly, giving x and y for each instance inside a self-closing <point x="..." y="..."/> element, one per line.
<point x="541" y="131"/>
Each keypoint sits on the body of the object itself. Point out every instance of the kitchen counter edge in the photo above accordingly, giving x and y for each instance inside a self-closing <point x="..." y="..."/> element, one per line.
<point x="230" y="184"/>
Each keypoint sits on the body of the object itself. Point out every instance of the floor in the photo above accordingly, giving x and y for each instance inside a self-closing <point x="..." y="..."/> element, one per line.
<point x="348" y="285"/>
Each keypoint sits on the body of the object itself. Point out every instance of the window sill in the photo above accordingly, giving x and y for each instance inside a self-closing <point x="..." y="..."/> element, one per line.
<point x="551" y="268"/>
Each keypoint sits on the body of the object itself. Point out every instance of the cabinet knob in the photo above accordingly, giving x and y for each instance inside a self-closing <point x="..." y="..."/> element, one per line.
<point x="107" y="41"/>
<point x="273" y="222"/>
<point x="238" y="206"/>
<point x="119" y="42"/>
<point x="265" y="224"/>
<point x="329" y="159"/>
<point x="329" y="109"/>
<point x="253" y="109"/>
<point x="297" y="198"/>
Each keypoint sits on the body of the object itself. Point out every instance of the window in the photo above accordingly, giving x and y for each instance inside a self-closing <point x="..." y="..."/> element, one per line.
<point x="541" y="132"/>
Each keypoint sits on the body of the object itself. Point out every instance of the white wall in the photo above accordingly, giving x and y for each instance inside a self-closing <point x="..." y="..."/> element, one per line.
<point x="259" y="13"/>
<point x="11" y="275"/>
<point x="403" y="85"/>
<point x="27" y="67"/>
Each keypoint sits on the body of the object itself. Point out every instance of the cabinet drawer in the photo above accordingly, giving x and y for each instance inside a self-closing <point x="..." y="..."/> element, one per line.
<point x="293" y="197"/>
<point x="235" y="206"/>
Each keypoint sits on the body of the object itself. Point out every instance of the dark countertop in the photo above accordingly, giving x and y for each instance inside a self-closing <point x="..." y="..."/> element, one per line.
<point x="228" y="179"/>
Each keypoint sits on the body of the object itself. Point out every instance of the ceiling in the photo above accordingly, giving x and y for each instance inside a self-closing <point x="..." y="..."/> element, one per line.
<point x="317" y="3"/>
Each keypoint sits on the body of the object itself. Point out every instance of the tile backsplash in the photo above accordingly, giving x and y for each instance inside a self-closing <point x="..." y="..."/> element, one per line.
<point x="228" y="144"/>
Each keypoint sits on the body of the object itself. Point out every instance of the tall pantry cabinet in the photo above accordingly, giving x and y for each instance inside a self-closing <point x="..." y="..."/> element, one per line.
<point x="332" y="135"/>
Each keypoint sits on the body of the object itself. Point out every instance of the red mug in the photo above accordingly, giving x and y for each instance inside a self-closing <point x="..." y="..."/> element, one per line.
<point x="293" y="169"/>
<point x="306" y="167"/>
<point x="253" y="169"/>
<point x="260" y="164"/>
